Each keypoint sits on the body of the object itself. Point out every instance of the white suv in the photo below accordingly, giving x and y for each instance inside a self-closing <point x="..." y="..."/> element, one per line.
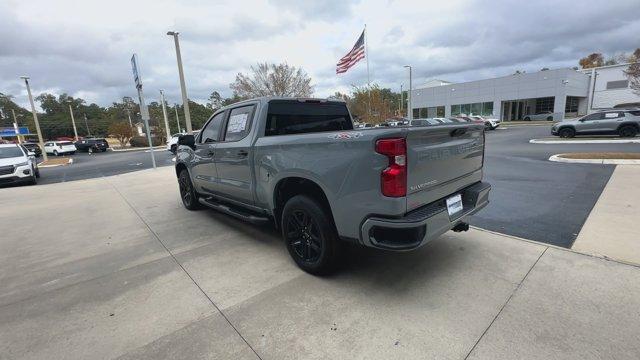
<point x="17" y="165"/>
<point x="59" y="147"/>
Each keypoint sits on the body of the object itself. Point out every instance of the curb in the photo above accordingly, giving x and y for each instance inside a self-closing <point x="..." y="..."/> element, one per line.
<point x="49" y="166"/>
<point x="558" y="158"/>
<point x="139" y="149"/>
<point x="594" y="141"/>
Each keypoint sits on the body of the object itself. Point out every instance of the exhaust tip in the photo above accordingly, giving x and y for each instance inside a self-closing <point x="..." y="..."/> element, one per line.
<point x="461" y="227"/>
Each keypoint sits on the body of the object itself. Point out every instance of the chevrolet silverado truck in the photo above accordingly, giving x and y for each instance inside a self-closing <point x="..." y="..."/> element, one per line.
<point x="300" y="164"/>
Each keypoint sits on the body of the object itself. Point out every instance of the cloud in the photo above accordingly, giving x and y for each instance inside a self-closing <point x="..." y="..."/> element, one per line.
<point x="83" y="48"/>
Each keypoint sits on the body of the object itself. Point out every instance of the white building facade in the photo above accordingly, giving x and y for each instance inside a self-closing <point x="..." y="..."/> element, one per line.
<point x="554" y="93"/>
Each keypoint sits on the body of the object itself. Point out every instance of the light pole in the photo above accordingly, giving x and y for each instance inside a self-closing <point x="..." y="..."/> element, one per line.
<point x="177" y="118"/>
<point x="401" y="105"/>
<point x="409" y="105"/>
<point x="129" y="116"/>
<point x="164" y="113"/>
<point x="73" y="120"/>
<point x="35" y="118"/>
<point x="183" y="88"/>
<point x="15" y="125"/>
<point x="86" y="123"/>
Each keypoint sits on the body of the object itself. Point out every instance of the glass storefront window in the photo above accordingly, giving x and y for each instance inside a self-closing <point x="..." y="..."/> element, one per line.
<point x="423" y="113"/>
<point x="455" y="110"/>
<point x="465" y="109"/>
<point x="476" y="108"/>
<point x="416" y="113"/>
<point x="440" y="111"/>
<point x="487" y="109"/>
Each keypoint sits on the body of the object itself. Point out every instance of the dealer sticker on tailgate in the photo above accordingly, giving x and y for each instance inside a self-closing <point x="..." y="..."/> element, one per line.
<point x="454" y="204"/>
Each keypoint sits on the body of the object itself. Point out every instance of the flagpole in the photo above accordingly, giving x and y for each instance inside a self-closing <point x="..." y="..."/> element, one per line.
<point x="366" y="52"/>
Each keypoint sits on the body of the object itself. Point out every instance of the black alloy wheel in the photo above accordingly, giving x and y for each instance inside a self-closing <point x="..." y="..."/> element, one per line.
<point x="187" y="193"/>
<point x="628" y="131"/>
<point x="310" y="235"/>
<point x="567" y="133"/>
<point x="303" y="236"/>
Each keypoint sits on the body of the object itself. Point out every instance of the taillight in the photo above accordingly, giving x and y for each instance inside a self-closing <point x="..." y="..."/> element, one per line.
<point x="394" y="177"/>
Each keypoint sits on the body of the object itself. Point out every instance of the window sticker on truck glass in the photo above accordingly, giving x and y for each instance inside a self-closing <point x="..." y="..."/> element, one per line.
<point x="237" y="123"/>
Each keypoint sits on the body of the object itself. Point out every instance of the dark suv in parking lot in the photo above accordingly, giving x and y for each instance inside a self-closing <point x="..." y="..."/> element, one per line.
<point x="92" y="145"/>
<point x="33" y="147"/>
<point x="622" y="122"/>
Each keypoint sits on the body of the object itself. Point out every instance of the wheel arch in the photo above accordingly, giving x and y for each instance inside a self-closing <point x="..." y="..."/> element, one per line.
<point x="290" y="186"/>
<point x="630" y="123"/>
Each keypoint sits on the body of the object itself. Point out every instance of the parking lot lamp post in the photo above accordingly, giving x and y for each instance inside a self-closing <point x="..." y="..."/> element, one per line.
<point x="401" y="105"/>
<point x="164" y="113"/>
<point x="15" y="124"/>
<point x="409" y="107"/>
<point x="177" y="118"/>
<point x="35" y="118"/>
<point x="183" y="88"/>
<point x="73" y="121"/>
<point x="86" y="123"/>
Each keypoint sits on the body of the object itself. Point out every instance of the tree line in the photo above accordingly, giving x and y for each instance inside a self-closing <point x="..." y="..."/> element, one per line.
<point x="371" y="104"/>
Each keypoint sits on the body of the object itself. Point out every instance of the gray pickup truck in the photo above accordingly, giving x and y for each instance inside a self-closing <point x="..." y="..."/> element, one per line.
<point x="300" y="164"/>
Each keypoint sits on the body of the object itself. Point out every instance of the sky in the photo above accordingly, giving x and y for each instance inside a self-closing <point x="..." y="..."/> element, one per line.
<point x="83" y="48"/>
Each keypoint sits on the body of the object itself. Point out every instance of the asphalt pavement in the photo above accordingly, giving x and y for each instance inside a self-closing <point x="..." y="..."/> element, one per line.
<point x="89" y="166"/>
<point x="537" y="199"/>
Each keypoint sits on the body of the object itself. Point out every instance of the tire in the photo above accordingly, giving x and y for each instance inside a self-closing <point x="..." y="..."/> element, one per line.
<point x="73" y="153"/>
<point x="310" y="235"/>
<point x="174" y="149"/>
<point x="37" y="172"/>
<point x="627" y="131"/>
<point x="487" y="126"/>
<point x="33" y="180"/>
<point x="188" y="194"/>
<point x="55" y="152"/>
<point x="566" y="132"/>
<point x="549" y="118"/>
<point x="526" y="118"/>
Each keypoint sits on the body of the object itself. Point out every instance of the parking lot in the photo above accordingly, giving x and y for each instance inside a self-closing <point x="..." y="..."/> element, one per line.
<point x="532" y="197"/>
<point x="121" y="270"/>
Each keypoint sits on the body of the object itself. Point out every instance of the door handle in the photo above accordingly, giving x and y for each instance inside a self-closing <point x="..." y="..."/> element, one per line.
<point x="211" y="153"/>
<point x="243" y="153"/>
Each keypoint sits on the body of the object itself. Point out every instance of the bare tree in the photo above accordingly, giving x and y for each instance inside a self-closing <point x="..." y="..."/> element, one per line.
<point x="273" y="80"/>
<point x="633" y="71"/>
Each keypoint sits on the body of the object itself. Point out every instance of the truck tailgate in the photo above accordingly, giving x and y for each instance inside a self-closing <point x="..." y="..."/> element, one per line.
<point x="441" y="161"/>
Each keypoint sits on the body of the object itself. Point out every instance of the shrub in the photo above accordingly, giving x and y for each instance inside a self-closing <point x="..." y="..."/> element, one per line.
<point x="141" y="141"/>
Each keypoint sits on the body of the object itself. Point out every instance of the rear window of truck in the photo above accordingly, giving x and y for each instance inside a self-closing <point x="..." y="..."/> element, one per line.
<point x="296" y="117"/>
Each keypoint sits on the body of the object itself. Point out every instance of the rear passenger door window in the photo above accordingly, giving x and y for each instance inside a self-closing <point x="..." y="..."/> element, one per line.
<point x="239" y="123"/>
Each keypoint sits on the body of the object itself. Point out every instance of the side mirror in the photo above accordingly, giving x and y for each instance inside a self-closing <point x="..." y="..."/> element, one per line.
<point x="187" y="140"/>
<point x="31" y="153"/>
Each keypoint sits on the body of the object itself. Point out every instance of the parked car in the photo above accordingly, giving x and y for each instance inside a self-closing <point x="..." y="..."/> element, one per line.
<point x="33" y="147"/>
<point x="624" y="123"/>
<point x="490" y="124"/>
<point x="300" y="164"/>
<point x="92" y="145"/>
<point x="17" y="165"/>
<point x="59" y="147"/>
<point x="172" y="144"/>
<point x="544" y="115"/>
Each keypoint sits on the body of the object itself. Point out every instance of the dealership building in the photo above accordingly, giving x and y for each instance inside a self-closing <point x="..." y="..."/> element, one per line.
<point x="557" y="94"/>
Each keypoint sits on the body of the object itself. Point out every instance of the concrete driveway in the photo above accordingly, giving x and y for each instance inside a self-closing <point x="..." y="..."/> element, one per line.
<point x="115" y="268"/>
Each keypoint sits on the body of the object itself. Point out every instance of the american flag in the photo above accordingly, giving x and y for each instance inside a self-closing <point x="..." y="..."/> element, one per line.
<point x="356" y="54"/>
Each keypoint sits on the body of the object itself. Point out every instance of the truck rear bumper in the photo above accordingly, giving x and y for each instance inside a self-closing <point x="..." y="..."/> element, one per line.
<point x="423" y="224"/>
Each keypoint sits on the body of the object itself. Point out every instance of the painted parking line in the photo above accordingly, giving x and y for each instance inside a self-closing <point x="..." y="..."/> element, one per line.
<point x="559" y="158"/>
<point x="585" y="141"/>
